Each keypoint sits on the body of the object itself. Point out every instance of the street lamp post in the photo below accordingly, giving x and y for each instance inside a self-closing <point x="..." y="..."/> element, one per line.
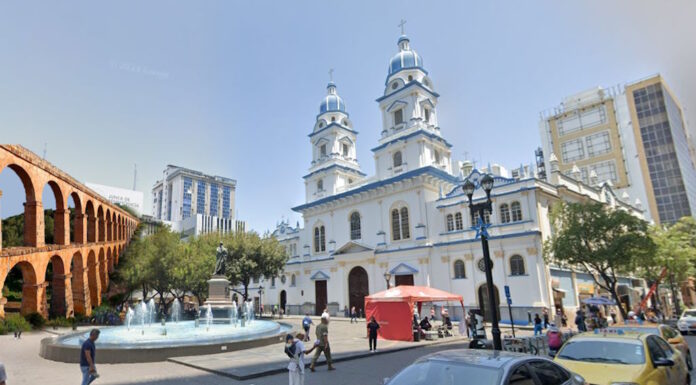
<point x="260" y="301"/>
<point x="387" y="277"/>
<point x="480" y="208"/>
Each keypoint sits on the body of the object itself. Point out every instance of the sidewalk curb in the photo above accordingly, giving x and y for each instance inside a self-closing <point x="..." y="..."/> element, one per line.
<point x="322" y="363"/>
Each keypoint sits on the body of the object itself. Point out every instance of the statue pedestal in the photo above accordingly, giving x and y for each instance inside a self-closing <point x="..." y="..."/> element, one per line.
<point x="218" y="298"/>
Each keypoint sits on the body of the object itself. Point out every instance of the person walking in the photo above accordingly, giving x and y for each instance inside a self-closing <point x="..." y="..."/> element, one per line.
<point x="353" y="315"/>
<point x="306" y="324"/>
<point x="580" y="321"/>
<point x="87" y="354"/>
<point x="322" y="344"/>
<point x="3" y="375"/>
<point x="554" y="337"/>
<point x="545" y="314"/>
<point x="537" y="325"/>
<point x="295" y="349"/>
<point x="372" y="328"/>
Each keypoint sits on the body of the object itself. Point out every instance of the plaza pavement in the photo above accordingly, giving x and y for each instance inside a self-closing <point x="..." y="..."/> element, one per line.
<point x="355" y="365"/>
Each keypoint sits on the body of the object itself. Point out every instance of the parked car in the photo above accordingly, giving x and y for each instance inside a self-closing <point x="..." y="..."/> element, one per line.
<point x="607" y="358"/>
<point x="484" y="367"/>
<point x="665" y="331"/>
<point x="687" y="321"/>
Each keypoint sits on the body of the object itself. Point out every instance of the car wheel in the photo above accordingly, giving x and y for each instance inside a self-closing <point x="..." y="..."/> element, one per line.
<point x="683" y="332"/>
<point x="688" y="379"/>
<point x="689" y="364"/>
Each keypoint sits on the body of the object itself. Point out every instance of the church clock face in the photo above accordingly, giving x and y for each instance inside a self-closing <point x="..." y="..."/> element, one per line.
<point x="481" y="264"/>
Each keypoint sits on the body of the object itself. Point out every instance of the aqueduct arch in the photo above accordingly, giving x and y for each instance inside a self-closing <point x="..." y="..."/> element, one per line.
<point x="79" y="267"/>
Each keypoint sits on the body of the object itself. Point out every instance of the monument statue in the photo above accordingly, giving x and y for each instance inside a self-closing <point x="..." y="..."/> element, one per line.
<point x="220" y="259"/>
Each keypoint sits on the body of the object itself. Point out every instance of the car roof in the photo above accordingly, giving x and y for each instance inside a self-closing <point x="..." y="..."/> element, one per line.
<point x="488" y="358"/>
<point x="628" y="335"/>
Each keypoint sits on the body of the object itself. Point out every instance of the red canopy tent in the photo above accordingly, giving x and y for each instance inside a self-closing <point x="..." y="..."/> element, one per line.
<point x="393" y="308"/>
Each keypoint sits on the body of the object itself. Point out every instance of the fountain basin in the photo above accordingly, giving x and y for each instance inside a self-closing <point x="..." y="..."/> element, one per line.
<point x="118" y="344"/>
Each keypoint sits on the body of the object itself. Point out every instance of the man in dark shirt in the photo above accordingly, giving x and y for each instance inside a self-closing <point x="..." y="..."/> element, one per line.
<point x="87" y="353"/>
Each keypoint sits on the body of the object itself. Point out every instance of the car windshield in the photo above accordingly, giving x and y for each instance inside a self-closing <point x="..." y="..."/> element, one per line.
<point x="445" y="373"/>
<point x="689" y="313"/>
<point x="612" y="352"/>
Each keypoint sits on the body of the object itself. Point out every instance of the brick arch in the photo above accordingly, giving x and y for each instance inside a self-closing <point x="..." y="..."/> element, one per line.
<point x="61" y="217"/>
<point x="59" y="291"/>
<point x="93" y="278"/>
<point x="101" y="224"/>
<point x="108" y="226"/>
<point x="78" y="223"/>
<point x="91" y="214"/>
<point x="114" y="227"/>
<point x="80" y="285"/>
<point x="30" y="287"/>
<point x="110" y="259"/>
<point x="103" y="270"/>
<point x="30" y="234"/>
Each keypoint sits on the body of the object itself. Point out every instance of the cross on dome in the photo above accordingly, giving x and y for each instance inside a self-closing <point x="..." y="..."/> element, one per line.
<point x="403" y="22"/>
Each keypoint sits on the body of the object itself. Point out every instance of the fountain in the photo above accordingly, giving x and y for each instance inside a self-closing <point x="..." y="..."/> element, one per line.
<point x="153" y="343"/>
<point x="129" y="317"/>
<point x="176" y="311"/>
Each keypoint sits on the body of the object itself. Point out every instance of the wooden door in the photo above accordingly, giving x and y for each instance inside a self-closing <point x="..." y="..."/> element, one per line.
<point x="320" y="293"/>
<point x="358" y="288"/>
<point x="404" y="280"/>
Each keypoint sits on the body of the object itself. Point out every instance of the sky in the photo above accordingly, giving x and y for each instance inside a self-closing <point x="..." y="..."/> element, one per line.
<point x="232" y="88"/>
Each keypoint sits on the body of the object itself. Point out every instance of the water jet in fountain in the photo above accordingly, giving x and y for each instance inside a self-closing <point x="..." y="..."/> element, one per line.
<point x="176" y="310"/>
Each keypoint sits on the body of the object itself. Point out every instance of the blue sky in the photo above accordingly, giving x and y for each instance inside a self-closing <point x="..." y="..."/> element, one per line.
<point x="232" y="88"/>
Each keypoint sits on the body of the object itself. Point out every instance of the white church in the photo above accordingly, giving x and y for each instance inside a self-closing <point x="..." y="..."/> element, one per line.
<point x="410" y="223"/>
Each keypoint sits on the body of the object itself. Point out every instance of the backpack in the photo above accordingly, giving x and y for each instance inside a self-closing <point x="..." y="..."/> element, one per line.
<point x="291" y="350"/>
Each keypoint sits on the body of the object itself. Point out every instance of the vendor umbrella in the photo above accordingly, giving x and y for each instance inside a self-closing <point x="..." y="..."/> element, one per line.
<point x="598" y="301"/>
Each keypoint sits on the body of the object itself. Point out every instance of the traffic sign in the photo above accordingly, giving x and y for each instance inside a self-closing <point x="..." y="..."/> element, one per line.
<point x="507" y="291"/>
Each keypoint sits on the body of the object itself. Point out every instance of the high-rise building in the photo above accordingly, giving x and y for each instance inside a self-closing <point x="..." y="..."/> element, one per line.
<point x="633" y="136"/>
<point x="183" y="193"/>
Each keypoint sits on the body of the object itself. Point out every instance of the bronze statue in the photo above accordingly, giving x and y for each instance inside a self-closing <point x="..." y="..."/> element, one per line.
<point x="220" y="259"/>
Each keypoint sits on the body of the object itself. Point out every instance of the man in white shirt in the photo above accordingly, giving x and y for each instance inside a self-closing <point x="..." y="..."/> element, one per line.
<point x="325" y="314"/>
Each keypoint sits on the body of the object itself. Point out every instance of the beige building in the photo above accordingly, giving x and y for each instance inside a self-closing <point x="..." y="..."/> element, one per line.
<point x="633" y="136"/>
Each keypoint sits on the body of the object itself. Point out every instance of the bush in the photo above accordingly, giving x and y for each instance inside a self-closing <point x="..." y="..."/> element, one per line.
<point x="36" y="320"/>
<point x="61" y="322"/>
<point x="14" y="322"/>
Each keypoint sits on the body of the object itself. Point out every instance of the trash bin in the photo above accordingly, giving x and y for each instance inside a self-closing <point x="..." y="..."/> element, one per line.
<point x="416" y="336"/>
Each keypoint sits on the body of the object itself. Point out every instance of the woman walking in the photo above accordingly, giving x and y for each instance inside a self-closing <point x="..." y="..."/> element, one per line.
<point x="372" y="328"/>
<point x="537" y="325"/>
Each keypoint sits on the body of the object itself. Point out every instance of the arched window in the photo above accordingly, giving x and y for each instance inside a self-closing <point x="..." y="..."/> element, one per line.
<point x="397" y="159"/>
<point x="517" y="265"/>
<point x="504" y="213"/>
<point x="320" y="185"/>
<point x="398" y="116"/>
<point x="516" y="209"/>
<point x="450" y="222"/>
<point x="436" y="156"/>
<point x="400" y="226"/>
<point x="355" y="225"/>
<point x="458" y="222"/>
<point x="293" y="280"/>
<point x="319" y="239"/>
<point x="459" y="270"/>
<point x="273" y="282"/>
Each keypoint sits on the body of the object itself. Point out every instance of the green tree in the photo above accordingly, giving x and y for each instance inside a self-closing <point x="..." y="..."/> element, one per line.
<point x="195" y="267"/>
<point x="602" y="241"/>
<point x="252" y="257"/>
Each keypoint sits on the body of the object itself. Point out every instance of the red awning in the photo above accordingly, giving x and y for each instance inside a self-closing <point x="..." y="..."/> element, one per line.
<point x="413" y="294"/>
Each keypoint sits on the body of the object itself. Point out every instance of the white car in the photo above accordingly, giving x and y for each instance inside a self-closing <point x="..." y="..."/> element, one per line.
<point x="687" y="322"/>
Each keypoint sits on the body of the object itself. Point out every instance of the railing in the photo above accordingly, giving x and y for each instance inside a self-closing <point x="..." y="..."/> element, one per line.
<point x="536" y="345"/>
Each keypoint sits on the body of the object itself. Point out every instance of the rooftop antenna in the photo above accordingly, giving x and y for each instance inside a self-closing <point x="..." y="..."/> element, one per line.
<point x="403" y="22"/>
<point x="135" y="174"/>
<point x="44" y="151"/>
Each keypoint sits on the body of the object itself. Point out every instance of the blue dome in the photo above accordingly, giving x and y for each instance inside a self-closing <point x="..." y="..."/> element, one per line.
<point x="405" y="58"/>
<point x="332" y="102"/>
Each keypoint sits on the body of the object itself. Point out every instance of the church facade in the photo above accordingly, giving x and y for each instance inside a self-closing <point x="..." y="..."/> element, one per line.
<point x="410" y="222"/>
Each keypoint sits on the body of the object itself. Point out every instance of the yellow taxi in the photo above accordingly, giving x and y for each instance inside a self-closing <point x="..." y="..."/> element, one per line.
<point x="606" y="357"/>
<point x="667" y="332"/>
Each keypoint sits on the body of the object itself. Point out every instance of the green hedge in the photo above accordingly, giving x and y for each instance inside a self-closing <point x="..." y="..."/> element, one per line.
<point x="14" y="322"/>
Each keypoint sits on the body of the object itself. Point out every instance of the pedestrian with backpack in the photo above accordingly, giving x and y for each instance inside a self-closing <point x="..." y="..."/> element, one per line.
<point x="295" y="350"/>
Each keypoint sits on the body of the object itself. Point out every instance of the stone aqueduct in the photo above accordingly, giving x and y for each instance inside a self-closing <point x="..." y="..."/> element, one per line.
<point x="81" y="266"/>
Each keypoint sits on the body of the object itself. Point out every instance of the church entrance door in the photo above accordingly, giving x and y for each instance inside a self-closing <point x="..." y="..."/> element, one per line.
<point x="484" y="303"/>
<point x="283" y="300"/>
<point x="320" y="293"/>
<point x="404" y="280"/>
<point x="358" y="288"/>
